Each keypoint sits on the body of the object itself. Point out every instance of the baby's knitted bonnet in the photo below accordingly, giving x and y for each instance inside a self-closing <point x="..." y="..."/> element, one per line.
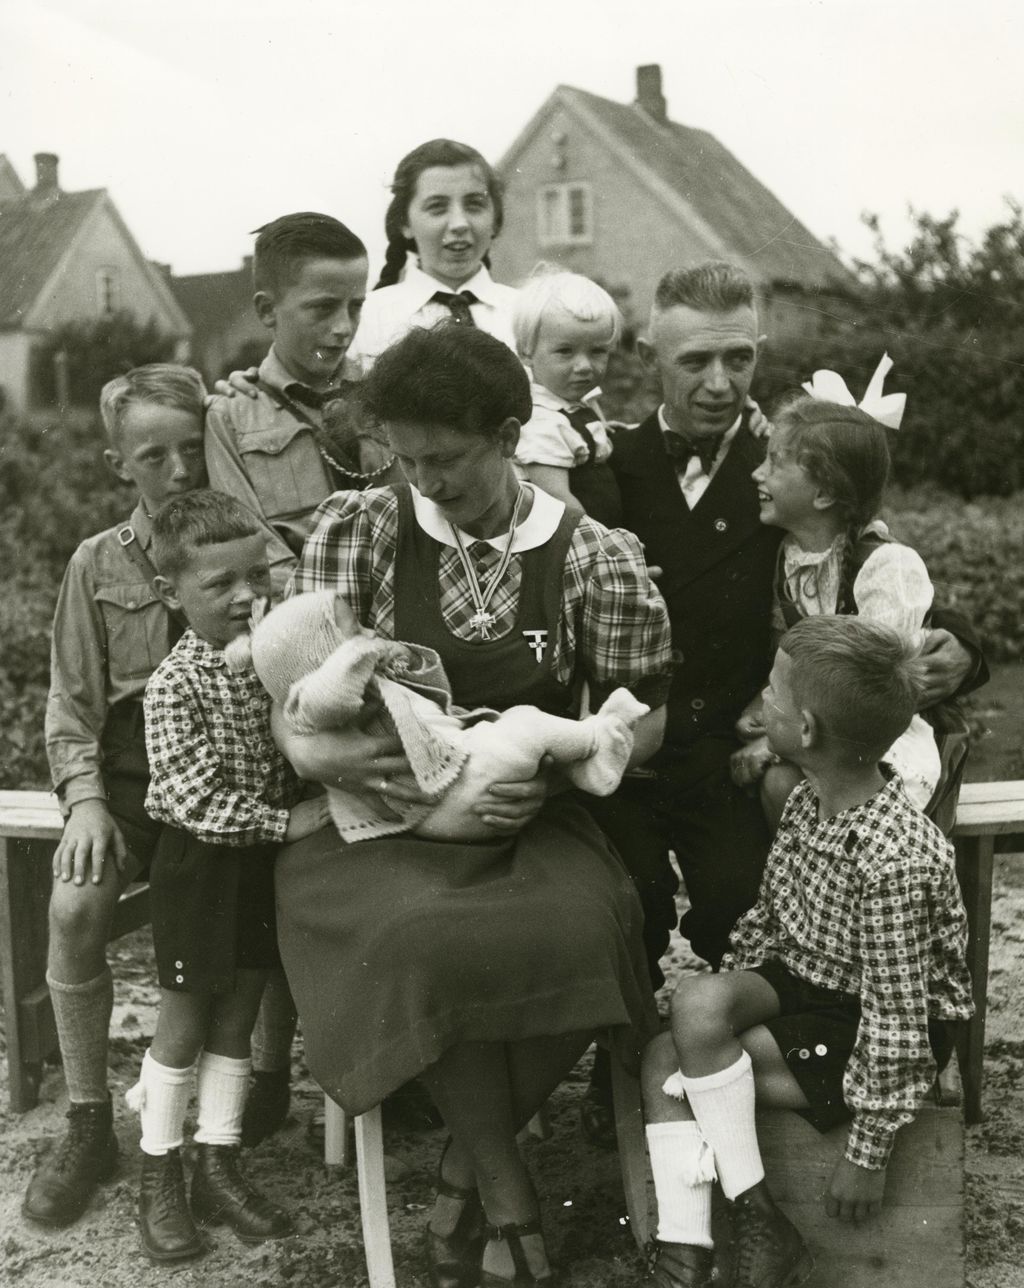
<point x="295" y="639"/>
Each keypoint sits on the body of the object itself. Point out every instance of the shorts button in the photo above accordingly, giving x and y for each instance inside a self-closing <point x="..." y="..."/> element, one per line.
<point x="180" y="979"/>
<point x="179" y="965"/>
<point x="721" y="525"/>
<point x="697" y="704"/>
<point x="821" y="1049"/>
<point x="804" y="1053"/>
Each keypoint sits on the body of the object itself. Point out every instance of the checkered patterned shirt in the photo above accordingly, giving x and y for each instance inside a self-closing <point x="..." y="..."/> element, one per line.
<point x="613" y="619"/>
<point x="215" y="769"/>
<point x="867" y="902"/>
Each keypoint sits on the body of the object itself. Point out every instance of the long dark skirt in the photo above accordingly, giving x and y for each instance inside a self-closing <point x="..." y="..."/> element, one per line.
<point x="398" y="949"/>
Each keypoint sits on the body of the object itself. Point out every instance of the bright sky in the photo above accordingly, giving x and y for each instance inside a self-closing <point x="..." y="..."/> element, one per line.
<point x="206" y="118"/>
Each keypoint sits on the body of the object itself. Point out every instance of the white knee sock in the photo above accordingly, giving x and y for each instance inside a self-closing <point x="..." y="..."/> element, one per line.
<point x="222" y="1087"/>
<point x="160" y="1097"/>
<point x="723" y="1104"/>
<point x="683" y="1169"/>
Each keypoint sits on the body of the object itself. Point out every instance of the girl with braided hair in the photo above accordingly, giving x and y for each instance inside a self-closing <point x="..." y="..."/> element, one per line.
<point x="822" y="481"/>
<point x="446" y="209"/>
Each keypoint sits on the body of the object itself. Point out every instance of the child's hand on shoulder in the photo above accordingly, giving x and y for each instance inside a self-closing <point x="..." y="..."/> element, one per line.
<point x="307" y="817"/>
<point x="854" y="1193"/>
<point x="238" y="382"/>
<point x="748" y="765"/>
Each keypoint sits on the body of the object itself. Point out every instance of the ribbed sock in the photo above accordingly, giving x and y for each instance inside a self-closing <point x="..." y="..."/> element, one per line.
<point x="82" y="1014"/>
<point x="274" y="1030"/>
<point x="222" y="1087"/>
<point x="723" y="1105"/>
<point x="160" y="1097"/>
<point x="683" y="1168"/>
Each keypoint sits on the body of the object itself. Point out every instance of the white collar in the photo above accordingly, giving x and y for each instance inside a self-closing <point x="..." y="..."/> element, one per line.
<point x="418" y="286"/>
<point x="538" y="527"/>
<point x="541" y="396"/>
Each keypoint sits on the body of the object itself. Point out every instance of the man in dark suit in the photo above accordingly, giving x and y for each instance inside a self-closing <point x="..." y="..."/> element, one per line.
<point x="687" y="492"/>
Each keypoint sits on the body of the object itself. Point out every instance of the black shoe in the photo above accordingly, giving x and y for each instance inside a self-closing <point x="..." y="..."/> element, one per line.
<point x="679" y="1265"/>
<point x="768" y="1251"/>
<point x="524" y="1273"/>
<point x="266" y="1106"/>
<point x="168" y="1231"/>
<point x="597" y="1119"/>
<point x="453" y="1260"/>
<point x="222" y="1195"/>
<point x="65" y="1181"/>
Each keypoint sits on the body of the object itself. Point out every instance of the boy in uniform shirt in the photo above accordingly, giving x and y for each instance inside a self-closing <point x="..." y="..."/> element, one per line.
<point x="110" y="631"/>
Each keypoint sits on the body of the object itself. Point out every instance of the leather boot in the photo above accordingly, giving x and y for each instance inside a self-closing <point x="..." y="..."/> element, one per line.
<point x="679" y="1265"/>
<point x="768" y="1250"/>
<point x="266" y="1106"/>
<point x="222" y="1195"/>
<point x="65" y="1181"/>
<point x="168" y="1231"/>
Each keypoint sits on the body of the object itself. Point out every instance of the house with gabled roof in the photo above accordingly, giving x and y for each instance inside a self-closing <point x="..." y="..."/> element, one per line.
<point x="68" y="257"/>
<point x="621" y="193"/>
<point x="226" y="333"/>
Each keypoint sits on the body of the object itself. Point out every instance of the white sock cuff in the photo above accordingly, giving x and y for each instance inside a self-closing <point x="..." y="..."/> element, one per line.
<point x="166" y="1073"/>
<point x="211" y="1063"/>
<point x="712" y="1081"/>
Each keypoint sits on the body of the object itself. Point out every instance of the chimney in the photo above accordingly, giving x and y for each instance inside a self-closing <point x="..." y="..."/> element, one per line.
<point x="46" y="172"/>
<point x="648" y="93"/>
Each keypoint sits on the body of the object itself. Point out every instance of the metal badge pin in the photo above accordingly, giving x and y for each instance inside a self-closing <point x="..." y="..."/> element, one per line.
<point x="538" y="641"/>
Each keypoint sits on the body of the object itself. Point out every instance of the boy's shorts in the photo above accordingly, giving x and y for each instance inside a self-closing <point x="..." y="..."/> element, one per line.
<point x="126" y="781"/>
<point x="816" y="1030"/>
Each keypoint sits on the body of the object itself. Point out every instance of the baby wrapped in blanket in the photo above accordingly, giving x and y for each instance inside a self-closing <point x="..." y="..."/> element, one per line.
<point x="326" y="671"/>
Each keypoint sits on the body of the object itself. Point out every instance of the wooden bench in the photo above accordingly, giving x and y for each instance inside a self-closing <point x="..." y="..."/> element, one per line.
<point x="989" y="815"/>
<point x="30" y="826"/>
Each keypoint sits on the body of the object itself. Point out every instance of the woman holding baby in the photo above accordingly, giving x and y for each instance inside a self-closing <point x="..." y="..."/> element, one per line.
<point x="485" y="966"/>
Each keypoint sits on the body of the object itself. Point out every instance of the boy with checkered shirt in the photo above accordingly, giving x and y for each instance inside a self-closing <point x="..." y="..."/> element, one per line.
<point x="838" y="997"/>
<point x="228" y="800"/>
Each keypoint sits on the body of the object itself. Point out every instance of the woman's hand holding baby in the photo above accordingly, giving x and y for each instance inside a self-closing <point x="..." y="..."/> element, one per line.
<point x="508" y="807"/>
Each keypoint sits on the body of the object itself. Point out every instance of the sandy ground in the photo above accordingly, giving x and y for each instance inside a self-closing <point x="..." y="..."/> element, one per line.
<point x="581" y="1194"/>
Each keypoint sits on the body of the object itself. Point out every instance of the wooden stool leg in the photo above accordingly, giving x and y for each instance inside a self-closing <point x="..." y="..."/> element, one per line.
<point x="373" y="1199"/>
<point x="336" y="1147"/>
<point x="629" y="1131"/>
<point x="974" y="868"/>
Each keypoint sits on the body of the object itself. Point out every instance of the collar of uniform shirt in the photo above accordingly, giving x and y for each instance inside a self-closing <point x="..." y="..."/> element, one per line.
<point x="418" y="287"/>
<point x="537" y="528"/>
<point x="727" y="438"/>
<point x="274" y="373"/>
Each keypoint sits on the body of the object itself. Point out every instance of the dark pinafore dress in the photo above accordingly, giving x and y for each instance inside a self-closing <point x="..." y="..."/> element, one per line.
<point x="400" y="948"/>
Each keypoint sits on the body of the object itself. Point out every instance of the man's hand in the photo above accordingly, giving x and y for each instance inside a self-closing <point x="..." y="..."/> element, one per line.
<point x="750" y="725"/>
<point x="758" y="424"/>
<point x="854" y="1193"/>
<point x="91" y="841"/>
<point x="748" y="765"/>
<point x="945" y="665"/>
<point x="239" y="382"/>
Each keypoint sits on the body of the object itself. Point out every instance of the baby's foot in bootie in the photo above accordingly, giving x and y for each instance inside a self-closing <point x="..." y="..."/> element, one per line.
<point x="613" y="725"/>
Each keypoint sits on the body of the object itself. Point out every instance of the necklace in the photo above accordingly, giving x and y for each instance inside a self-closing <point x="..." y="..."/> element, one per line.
<point x="347" y="469"/>
<point x="482" y="620"/>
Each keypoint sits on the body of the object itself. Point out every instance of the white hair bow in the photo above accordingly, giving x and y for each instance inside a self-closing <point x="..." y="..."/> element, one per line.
<point x="829" y="386"/>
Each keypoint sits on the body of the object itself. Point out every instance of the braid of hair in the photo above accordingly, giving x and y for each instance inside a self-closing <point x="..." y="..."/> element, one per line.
<point x="394" y="261"/>
<point x="848" y="570"/>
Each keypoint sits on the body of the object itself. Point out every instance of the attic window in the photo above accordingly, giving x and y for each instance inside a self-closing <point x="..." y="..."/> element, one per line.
<point x="565" y="214"/>
<point x="106" y="292"/>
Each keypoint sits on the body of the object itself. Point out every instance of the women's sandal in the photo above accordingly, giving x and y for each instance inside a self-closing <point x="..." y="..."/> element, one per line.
<point x="453" y="1260"/>
<point x="524" y="1275"/>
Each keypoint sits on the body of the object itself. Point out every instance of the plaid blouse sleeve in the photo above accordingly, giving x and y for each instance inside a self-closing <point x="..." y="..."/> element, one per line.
<point x="891" y="1067"/>
<point x="624" y="636"/>
<point x="187" y="785"/>
<point x="351" y="549"/>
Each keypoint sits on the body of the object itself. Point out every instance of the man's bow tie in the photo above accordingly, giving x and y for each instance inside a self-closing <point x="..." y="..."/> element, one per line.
<point x="681" y="449"/>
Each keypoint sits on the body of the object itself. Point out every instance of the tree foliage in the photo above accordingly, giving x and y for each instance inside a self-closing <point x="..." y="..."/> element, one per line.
<point x="93" y="352"/>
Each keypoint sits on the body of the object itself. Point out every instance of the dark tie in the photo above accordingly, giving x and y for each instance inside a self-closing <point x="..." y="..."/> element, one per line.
<point x="681" y="449"/>
<point x="312" y="398"/>
<point x="457" y="304"/>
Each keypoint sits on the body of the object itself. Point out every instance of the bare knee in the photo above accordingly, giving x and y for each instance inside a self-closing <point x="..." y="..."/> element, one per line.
<point x="80" y="918"/>
<point x="700" y="1010"/>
